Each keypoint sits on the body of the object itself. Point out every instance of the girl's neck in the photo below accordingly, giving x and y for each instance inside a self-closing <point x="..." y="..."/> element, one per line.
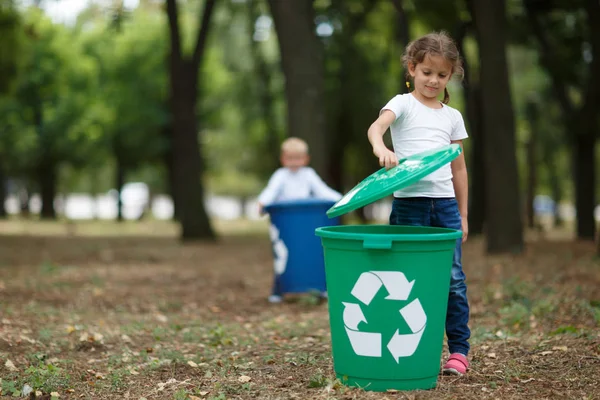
<point x="431" y="103"/>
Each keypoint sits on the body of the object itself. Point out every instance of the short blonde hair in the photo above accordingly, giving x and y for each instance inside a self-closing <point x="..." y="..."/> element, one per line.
<point x="294" y="145"/>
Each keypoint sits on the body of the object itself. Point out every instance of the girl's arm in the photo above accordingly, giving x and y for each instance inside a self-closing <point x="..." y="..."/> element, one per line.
<point x="387" y="158"/>
<point x="460" y="180"/>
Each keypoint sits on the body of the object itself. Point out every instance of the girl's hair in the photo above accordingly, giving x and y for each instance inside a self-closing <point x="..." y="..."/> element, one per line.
<point x="434" y="44"/>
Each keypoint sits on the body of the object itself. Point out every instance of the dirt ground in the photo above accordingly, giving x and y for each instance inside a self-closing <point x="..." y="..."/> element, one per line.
<point x="98" y="311"/>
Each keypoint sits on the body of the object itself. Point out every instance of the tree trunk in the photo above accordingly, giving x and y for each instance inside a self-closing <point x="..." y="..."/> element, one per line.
<point x="304" y="70"/>
<point x="585" y="188"/>
<point x="402" y="33"/>
<point x="187" y="165"/>
<point x="344" y="127"/>
<point x="119" y="182"/>
<point x="503" y="208"/>
<point x="265" y="95"/>
<point x="3" y="213"/>
<point x="47" y="182"/>
<point x="187" y="153"/>
<point x="555" y="189"/>
<point x="584" y="139"/>
<point x="532" y="116"/>
<point x="168" y="161"/>
<point x="24" y="201"/>
<point x="477" y="194"/>
<point x="476" y="168"/>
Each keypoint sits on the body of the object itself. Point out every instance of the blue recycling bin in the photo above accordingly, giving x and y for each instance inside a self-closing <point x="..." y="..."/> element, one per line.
<point x="299" y="265"/>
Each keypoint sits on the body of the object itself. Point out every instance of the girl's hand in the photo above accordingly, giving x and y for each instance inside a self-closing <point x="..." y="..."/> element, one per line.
<point x="465" y="228"/>
<point x="387" y="158"/>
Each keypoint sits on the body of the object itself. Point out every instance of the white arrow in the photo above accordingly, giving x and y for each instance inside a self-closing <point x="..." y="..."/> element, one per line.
<point x="367" y="344"/>
<point x="414" y="315"/>
<point x="366" y="287"/>
<point x="353" y="315"/>
<point x="280" y="250"/>
<point x="396" y="284"/>
<point x="404" y="345"/>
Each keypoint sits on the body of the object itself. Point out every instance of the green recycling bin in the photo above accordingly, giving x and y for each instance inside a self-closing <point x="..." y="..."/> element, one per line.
<point x="388" y="286"/>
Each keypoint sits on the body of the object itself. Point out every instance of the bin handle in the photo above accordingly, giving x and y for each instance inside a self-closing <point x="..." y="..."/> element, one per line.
<point x="377" y="243"/>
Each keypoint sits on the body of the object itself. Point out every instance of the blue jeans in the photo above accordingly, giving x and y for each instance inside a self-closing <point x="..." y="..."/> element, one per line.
<point x="442" y="213"/>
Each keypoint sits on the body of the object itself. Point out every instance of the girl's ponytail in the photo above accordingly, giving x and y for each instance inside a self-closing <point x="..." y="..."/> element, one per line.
<point x="446" y="96"/>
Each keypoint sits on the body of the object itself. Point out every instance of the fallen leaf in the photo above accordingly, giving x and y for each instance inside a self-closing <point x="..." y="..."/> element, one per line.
<point x="484" y="347"/>
<point x="208" y="374"/>
<point x="55" y="394"/>
<point x="27" y="339"/>
<point x="244" y="378"/>
<point x="192" y="364"/>
<point x="26" y="390"/>
<point x="6" y="321"/>
<point x="560" y="348"/>
<point x="161" y="318"/>
<point x="527" y="380"/>
<point x="38" y="393"/>
<point x="546" y="353"/>
<point x="71" y="329"/>
<point x="11" y="367"/>
<point x="194" y="397"/>
<point x="491" y="355"/>
<point x="126" y="339"/>
<point x="204" y="393"/>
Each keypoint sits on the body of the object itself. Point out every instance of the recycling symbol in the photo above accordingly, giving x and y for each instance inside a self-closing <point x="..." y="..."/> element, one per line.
<point x="369" y="344"/>
<point x="280" y="250"/>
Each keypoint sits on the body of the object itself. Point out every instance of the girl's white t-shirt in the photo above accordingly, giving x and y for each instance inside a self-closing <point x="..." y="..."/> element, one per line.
<point x="419" y="128"/>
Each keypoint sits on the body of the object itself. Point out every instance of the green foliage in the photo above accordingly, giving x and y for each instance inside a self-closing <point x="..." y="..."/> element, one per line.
<point x="49" y="118"/>
<point x="10" y="40"/>
<point x="46" y="378"/>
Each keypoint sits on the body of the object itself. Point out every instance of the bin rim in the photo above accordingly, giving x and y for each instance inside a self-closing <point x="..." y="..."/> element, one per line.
<point x="299" y="203"/>
<point x="336" y="232"/>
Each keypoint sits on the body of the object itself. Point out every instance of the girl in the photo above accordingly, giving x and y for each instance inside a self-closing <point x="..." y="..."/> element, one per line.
<point x="418" y="122"/>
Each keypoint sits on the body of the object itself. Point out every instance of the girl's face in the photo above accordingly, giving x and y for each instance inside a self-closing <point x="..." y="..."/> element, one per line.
<point x="430" y="77"/>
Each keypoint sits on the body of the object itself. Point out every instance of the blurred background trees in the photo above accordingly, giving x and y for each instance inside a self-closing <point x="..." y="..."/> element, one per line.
<point x="193" y="97"/>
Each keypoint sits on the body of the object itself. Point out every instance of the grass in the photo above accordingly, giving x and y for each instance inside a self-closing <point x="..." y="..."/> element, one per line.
<point x="110" y="312"/>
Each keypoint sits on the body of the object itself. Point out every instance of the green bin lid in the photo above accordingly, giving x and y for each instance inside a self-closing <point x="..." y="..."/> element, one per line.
<point x="385" y="182"/>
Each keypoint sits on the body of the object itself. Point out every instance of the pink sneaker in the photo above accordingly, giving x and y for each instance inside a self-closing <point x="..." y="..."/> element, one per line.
<point x="457" y="364"/>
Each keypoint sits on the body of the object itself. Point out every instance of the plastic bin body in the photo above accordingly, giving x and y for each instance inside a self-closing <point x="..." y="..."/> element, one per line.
<point x="298" y="253"/>
<point x="388" y="293"/>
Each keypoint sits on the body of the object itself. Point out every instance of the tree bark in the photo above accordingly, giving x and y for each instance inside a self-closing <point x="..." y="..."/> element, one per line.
<point x="119" y="182"/>
<point x="3" y="213"/>
<point x="585" y="190"/>
<point x="265" y="94"/>
<point x="343" y="130"/>
<point x="503" y="209"/>
<point x="47" y="182"/>
<point x="187" y="153"/>
<point x="473" y="108"/>
<point x="532" y="116"/>
<point x="576" y="119"/>
<point x="168" y="161"/>
<point x="302" y="60"/>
